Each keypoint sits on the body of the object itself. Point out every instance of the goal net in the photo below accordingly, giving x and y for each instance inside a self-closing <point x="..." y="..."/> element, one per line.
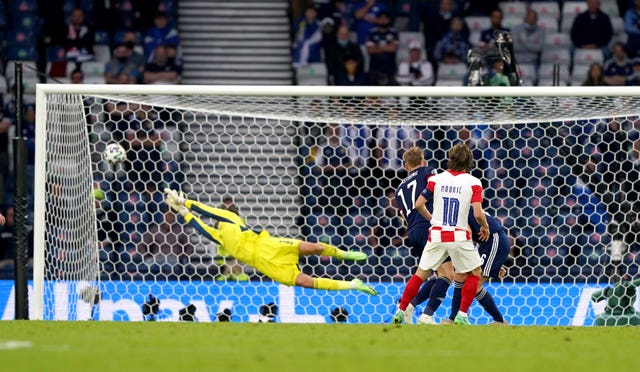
<point x="560" y="168"/>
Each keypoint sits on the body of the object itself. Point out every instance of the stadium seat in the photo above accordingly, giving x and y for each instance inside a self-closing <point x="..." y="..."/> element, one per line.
<point x="29" y="21"/>
<point x="557" y="39"/>
<point x="610" y="7"/>
<point x="477" y="23"/>
<point x="21" y="37"/>
<point x="549" y="9"/>
<point x="452" y="72"/>
<point x="587" y="56"/>
<point x="617" y="23"/>
<point x="28" y="70"/>
<point x="510" y="9"/>
<point x="527" y="73"/>
<point x="549" y="24"/>
<point x="93" y="69"/>
<point x="511" y="22"/>
<point x="312" y="74"/>
<point x="474" y="37"/>
<point x="404" y="38"/>
<point x="23" y="6"/>
<point x="55" y="53"/>
<point x="567" y="23"/>
<point x="559" y="55"/>
<point x="573" y="8"/>
<point x="102" y="53"/>
<point x="102" y="37"/>
<point x="545" y="74"/>
<point x="4" y="88"/>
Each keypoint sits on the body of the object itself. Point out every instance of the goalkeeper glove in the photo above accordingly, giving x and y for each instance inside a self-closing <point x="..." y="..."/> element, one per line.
<point x="176" y="201"/>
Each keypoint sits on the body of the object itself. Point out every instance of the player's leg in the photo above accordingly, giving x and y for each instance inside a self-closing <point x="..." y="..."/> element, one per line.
<point x="432" y="257"/>
<point x="308" y="281"/>
<point x="323" y="249"/>
<point x="438" y="292"/>
<point x="466" y="260"/>
<point x="458" y="282"/>
<point x="494" y="253"/>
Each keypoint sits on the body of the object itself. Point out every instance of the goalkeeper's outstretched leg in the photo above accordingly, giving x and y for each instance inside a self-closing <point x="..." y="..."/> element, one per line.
<point x="275" y="257"/>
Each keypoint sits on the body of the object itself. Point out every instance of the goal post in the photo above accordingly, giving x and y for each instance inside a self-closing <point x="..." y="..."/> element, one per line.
<point x="557" y="164"/>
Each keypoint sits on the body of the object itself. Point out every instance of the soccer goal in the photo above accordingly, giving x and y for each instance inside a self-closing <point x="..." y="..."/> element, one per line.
<point x="560" y="168"/>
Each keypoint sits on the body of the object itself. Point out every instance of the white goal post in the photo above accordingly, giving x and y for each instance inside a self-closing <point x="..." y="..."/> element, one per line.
<point x="559" y="166"/>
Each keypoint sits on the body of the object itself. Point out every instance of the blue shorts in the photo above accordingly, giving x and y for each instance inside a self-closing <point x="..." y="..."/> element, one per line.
<point x="418" y="240"/>
<point x="494" y="253"/>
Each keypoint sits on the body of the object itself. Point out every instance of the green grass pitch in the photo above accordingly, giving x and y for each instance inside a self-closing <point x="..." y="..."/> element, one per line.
<point x="150" y="346"/>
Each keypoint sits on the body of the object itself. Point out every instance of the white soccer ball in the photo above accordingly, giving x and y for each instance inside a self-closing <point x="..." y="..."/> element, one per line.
<point x="114" y="153"/>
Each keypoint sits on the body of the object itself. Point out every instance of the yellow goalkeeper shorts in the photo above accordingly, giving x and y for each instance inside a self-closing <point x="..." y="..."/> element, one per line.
<point x="278" y="258"/>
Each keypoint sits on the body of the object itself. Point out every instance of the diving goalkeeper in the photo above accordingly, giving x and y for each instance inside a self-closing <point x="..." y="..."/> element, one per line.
<point x="275" y="257"/>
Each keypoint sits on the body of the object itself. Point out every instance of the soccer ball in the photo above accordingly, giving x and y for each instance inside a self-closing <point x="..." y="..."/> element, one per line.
<point x="114" y="153"/>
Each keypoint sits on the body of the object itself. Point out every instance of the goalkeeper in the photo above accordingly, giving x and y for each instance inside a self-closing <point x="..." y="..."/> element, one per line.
<point x="275" y="257"/>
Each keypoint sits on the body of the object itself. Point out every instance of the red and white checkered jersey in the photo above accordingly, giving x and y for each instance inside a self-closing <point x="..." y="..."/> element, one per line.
<point x="452" y="194"/>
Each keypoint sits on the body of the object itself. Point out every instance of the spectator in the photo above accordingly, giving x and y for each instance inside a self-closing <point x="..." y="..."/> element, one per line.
<point x="632" y="28"/>
<point x="80" y="38"/>
<point x="498" y="78"/>
<point x="77" y="76"/>
<point x="5" y="127"/>
<point x="415" y="71"/>
<point x="390" y="231"/>
<point x="335" y="53"/>
<point x="487" y="37"/>
<point x="160" y="70"/>
<point x="595" y="75"/>
<point x="382" y="45"/>
<point x="165" y="245"/>
<point x="130" y="39"/>
<point x="162" y="33"/>
<point x="307" y="39"/>
<point x="528" y="39"/>
<point x="592" y="28"/>
<point x="454" y="45"/>
<point x="618" y="68"/>
<point x="351" y="73"/>
<point x="437" y="23"/>
<point x="6" y="237"/>
<point x="145" y="151"/>
<point x="634" y="78"/>
<point x="121" y="69"/>
<point x="366" y="14"/>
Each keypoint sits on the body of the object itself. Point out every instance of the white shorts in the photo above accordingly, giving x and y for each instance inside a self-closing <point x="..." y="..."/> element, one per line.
<point x="464" y="255"/>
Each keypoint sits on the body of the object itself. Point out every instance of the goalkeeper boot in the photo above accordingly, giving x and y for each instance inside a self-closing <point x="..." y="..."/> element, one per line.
<point x="462" y="319"/>
<point x="408" y="314"/>
<point x="354" y="256"/>
<point x="358" y="285"/>
<point x="426" y="319"/>
<point x="398" y="317"/>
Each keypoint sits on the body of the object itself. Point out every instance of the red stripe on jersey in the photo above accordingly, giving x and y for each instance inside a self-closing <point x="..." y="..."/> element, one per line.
<point x="476" y="197"/>
<point x="456" y="173"/>
<point x="431" y="186"/>
<point x="446" y="236"/>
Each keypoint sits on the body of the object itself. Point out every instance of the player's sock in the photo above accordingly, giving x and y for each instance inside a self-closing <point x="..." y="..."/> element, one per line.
<point x="486" y="300"/>
<point x="438" y="292"/>
<point x="455" y="301"/>
<point x="331" y="251"/>
<point x="424" y="292"/>
<point x="468" y="292"/>
<point x="331" y="284"/>
<point x="410" y="291"/>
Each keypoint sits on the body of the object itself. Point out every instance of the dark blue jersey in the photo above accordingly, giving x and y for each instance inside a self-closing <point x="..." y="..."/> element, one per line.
<point x="408" y="192"/>
<point x="494" y="225"/>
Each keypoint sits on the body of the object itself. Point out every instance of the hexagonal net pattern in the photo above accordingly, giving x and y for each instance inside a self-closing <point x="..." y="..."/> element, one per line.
<point x="560" y="173"/>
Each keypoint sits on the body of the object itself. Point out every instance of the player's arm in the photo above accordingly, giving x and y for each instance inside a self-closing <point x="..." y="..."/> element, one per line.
<point x="421" y="207"/>
<point x="479" y="215"/>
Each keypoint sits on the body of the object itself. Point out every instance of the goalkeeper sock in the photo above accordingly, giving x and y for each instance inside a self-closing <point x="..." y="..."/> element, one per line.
<point x="331" y="284"/>
<point x="424" y="293"/>
<point x="438" y="292"/>
<point x="455" y="300"/>
<point x="332" y="251"/>
<point x="486" y="300"/>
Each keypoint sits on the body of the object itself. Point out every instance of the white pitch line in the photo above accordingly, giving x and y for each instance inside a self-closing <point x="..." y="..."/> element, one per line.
<point x="14" y="344"/>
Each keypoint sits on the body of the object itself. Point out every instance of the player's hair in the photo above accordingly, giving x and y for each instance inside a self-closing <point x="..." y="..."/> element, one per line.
<point x="460" y="158"/>
<point x="413" y="157"/>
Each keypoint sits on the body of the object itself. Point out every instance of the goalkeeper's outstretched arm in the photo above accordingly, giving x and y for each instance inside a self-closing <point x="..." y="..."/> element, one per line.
<point x="218" y="214"/>
<point x="204" y="229"/>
